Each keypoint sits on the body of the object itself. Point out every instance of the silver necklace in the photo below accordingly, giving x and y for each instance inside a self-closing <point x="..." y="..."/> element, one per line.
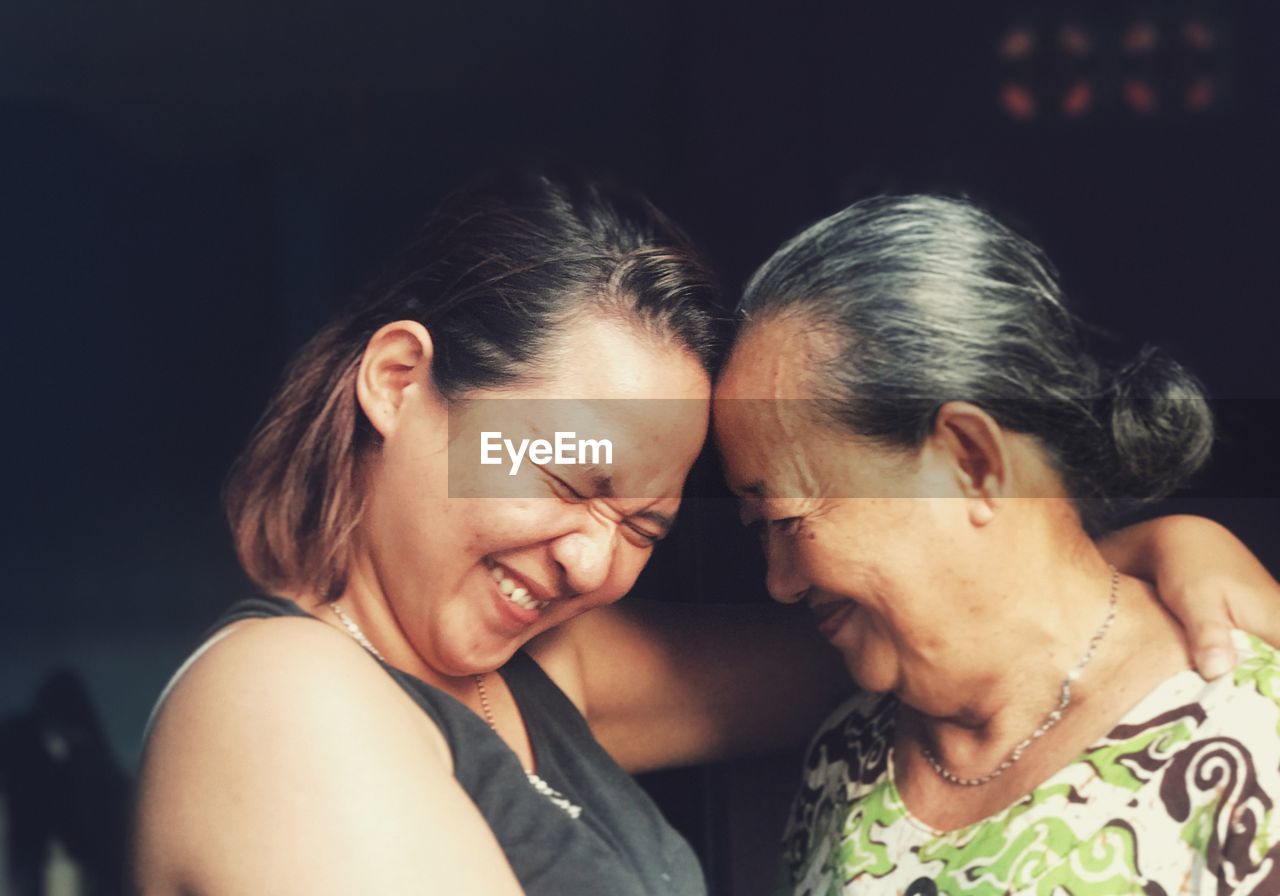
<point x="1051" y="719"/>
<point x="554" y="796"/>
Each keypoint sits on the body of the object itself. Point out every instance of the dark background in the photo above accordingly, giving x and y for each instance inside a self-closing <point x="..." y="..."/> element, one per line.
<point x="187" y="189"/>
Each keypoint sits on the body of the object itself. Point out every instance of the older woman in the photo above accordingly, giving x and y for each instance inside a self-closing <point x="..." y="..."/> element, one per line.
<point x="911" y="421"/>
<point x="419" y="701"/>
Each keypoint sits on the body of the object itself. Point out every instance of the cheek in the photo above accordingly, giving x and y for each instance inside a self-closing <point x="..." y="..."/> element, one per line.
<point x="493" y="523"/>
<point x="625" y="568"/>
<point x="834" y="561"/>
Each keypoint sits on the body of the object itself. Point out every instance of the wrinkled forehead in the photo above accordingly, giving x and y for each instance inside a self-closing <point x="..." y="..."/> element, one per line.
<point x="765" y="413"/>
<point x="775" y="358"/>
<point x="765" y="443"/>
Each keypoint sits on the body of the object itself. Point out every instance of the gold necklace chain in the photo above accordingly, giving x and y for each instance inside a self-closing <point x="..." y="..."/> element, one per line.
<point x="355" y="631"/>
<point x="1052" y="719"/>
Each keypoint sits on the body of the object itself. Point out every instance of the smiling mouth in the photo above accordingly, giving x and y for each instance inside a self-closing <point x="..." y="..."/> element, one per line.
<point x="512" y="590"/>
<point x="831" y="615"/>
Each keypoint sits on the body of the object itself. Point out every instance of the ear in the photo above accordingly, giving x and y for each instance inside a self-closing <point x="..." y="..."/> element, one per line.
<point x="397" y="358"/>
<point x="974" y="447"/>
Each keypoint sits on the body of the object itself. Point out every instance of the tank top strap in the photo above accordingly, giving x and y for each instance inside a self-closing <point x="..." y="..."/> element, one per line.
<point x="452" y="718"/>
<point x="259" y="606"/>
<point x="534" y="687"/>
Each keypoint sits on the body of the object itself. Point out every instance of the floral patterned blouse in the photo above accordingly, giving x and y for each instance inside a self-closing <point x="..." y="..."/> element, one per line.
<point x="1179" y="798"/>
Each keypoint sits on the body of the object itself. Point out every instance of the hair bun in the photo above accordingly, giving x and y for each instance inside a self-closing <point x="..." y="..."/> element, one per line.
<point x="1161" y="426"/>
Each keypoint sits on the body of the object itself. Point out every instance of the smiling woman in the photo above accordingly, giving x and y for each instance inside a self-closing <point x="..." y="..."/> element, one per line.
<point x="428" y="551"/>
<point x="419" y="700"/>
<point x="347" y="509"/>
<point x="926" y="458"/>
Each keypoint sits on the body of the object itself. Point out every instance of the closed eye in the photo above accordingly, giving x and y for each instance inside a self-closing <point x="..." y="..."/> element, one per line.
<point x="634" y="532"/>
<point x="761" y="528"/>
<point x="642" y="536"/>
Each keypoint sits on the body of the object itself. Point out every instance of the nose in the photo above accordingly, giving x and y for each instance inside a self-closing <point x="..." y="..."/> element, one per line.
<point x="783" y="579"/>
<point x="586" y="555"/>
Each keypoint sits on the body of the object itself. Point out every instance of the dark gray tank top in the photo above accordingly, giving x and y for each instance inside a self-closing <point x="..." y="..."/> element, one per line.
<point x="595" y="832"/>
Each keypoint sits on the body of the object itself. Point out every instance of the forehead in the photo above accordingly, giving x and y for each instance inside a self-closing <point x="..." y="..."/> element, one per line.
<point x="605" y="381"/>
<point x="773" y="360"/>
<point x="764" y="417"/>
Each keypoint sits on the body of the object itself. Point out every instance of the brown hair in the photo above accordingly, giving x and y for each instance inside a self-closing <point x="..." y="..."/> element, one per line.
<point x="500" y="270"/>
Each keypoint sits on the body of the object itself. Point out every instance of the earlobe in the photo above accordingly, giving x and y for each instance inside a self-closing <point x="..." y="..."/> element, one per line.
<point x="981" y="511"/>
<point x="396" y="358"/>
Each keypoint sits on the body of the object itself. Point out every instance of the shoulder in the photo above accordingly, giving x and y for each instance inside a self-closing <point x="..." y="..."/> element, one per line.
<point x="848" y="754"/>
<point x="1245" y="703"/>
<point x="1231" y="721"/>
<point x="1258" y="671"/>
<point x="856" y="733"/>
<point x="271" y="687"/>
<point x="285" y="672"/>
<point x="850" y="748"/>
<point x="1243" y="708"/>
<point x="1223" y="776"/>
<point x="281" y="726"/>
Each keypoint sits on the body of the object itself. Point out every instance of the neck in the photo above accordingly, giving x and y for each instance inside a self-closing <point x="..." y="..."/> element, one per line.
<point x="365" y="606"/>
<point x="1022" y="637"/>
<point x="1054" y="607"/>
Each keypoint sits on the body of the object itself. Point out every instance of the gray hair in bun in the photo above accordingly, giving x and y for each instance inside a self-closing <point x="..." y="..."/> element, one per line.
<point x="930" y="299"/>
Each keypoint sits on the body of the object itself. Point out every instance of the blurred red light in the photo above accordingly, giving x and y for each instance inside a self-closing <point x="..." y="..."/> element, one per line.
<point x="1198" y="35"/>
<point x="1078" y="99"/>
<point x="1018" y="43"/>
<point x="1075" y="40"/>
<point x="1201" y="95"/>
<point x="1140" y="97"/>
<point x="1141" y="38"/>
<point x="1017" y="102"/>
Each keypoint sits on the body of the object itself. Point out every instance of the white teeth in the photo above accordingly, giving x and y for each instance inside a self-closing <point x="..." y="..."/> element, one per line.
<point x="520" y="597"/>
<point x="517" y="594"/>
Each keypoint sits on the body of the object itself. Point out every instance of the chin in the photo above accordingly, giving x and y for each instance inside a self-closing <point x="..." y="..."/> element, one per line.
<point x="477" y="662"/>
<point x="872" y="670"/>
<point x="469" y="650"/>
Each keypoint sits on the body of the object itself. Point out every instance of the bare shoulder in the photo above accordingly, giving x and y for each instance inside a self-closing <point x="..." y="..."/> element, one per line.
<point x="269" y="676"/>
<point x="278" y="749"/>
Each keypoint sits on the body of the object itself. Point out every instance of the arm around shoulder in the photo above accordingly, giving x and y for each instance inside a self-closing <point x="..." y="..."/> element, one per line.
<point x="665" y="684"/>
<point x="1206" y="577"/>
<point x="285" y="761"/>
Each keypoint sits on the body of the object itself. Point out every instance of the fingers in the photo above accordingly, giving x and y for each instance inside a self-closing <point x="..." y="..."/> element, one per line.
<point x="1204" y="612"/>
<point x="1208" y="624"/>
<point x="1212" y="649"/>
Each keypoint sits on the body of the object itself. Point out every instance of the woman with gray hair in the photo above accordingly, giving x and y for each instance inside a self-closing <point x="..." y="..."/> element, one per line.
<point x="912" y="422"/>
<point x="434" y="690"/>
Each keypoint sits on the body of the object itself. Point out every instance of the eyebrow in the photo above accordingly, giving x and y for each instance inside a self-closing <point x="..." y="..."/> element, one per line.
<point x="601" y="482"/>
<point x="753" y="489"/>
